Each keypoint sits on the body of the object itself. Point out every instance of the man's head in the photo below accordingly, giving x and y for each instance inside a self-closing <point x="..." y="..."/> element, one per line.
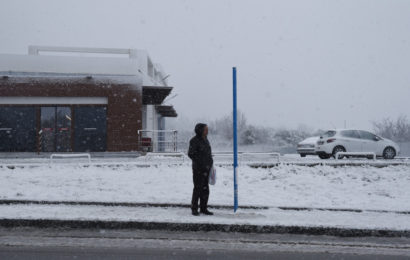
<point x="201" y="130"/>
<point x="205" y="133"/>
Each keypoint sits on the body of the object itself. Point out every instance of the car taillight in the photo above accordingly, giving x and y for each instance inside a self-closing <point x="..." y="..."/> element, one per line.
<point x="331" y="140"/>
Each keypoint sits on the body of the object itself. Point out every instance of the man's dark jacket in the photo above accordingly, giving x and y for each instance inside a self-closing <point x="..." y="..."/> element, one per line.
<point x="200" y="151"/>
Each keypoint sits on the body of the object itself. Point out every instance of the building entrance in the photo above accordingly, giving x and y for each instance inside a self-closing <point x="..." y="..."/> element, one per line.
<point x="55" y="134"/>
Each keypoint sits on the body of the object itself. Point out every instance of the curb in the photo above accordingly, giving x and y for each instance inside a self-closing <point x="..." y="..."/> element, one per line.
<point x="194" y="227"/>
<point x="119" y="204"/>
<point x="181" y="205"/>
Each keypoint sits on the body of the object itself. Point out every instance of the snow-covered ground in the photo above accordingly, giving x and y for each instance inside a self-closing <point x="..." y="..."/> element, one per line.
<point x="363" y="187"/>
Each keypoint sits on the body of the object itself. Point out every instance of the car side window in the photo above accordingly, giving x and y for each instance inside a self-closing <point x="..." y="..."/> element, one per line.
<point x="356" y="134"/>
<point x="350" y="134"/>
<point x="346" y="133"/>
<point x="367" y="135"/>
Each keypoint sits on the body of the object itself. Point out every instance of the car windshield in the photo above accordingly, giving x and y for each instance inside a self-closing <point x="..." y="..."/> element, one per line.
<point x="328" y="134"/>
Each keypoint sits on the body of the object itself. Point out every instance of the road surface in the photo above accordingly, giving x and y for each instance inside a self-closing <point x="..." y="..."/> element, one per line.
<point x="31" y="243"/>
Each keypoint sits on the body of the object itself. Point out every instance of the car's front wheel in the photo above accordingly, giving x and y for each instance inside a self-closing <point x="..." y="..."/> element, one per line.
<point x="389" y="153"/>
<point x="302" y="155"/>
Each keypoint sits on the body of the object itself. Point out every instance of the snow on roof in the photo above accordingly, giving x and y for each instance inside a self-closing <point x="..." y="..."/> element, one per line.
<point x="137" y="64"/>
<point x="67" y="65"/>
<point x="31" y="77"/>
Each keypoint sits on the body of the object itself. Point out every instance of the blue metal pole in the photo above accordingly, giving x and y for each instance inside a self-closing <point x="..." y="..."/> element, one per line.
<point x="235" y="144"/>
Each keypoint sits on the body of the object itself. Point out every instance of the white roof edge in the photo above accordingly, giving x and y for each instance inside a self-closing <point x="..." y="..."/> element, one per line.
<point x="138" y="63"/>
<point x="36" y="49"/>
<point x="68" y="65"/>
<point x="29" y="100"/>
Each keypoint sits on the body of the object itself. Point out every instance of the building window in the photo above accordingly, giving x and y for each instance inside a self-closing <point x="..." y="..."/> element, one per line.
<point x="90" y="129"/>
<point x="17" y="129"/>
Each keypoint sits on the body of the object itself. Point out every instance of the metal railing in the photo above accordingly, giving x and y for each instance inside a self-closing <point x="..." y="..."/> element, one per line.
<point x="159" y="156"/>
<point x="158" y="140"/>
<point x="244" y="156"/>
<point x="340" y="155"/>
<point x="73" y="155"/>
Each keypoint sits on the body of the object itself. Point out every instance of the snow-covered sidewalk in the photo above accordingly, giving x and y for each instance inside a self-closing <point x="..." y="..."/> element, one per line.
<point x="256" y="217"/>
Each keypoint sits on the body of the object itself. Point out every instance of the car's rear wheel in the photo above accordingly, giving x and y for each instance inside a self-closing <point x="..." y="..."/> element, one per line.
<point x="338" y="149"/>
<point x="324" y="156"/>
<point x="389" y="153"/>
<point x="302" y="155"/>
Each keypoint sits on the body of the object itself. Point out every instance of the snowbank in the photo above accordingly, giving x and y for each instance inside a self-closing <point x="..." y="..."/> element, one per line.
<point x="321" y="186"/>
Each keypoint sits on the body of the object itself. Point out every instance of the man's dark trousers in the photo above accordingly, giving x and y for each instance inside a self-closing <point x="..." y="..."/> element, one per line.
<point x="201" y="190"/>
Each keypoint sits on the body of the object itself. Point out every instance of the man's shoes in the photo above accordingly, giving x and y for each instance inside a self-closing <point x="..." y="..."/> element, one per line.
<point x="206" y="212"/>
<point x="195" y="213"/>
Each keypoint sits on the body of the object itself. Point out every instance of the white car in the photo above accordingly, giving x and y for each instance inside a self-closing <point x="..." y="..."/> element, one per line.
<point x="351" y="140"/>
<point x="307" y="146"/>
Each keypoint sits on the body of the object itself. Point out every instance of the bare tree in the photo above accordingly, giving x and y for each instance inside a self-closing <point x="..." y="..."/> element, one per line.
<point x="223" y="126"/>
<point x="397" y="130"/>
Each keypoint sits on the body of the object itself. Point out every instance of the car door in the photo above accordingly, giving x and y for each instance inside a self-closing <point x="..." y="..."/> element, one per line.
<point x="369" y="142"/>
<point x="351" y="140"/>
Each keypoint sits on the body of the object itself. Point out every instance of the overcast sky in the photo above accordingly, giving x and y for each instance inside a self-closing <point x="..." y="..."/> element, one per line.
<point x="316" y="63"/>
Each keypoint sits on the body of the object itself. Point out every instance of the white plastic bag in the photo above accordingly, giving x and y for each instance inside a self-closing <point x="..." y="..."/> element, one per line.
<point x="212" y="176"/>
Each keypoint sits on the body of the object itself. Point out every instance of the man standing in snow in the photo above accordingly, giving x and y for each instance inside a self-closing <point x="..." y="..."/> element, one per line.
<point x="201" y="155"/>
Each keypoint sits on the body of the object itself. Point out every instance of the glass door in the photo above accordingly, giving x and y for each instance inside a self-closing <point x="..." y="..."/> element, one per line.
<point x="48" y="124"/>
<point x="63" y="129"/>
<point x="55" y="129"/>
